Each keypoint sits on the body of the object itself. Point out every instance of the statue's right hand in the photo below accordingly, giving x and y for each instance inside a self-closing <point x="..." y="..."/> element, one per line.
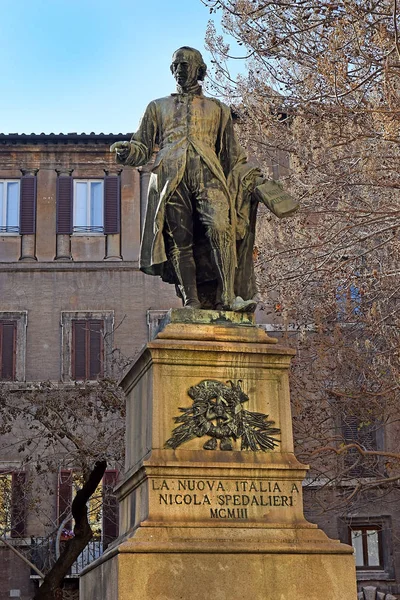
<point x="121" y="148"/>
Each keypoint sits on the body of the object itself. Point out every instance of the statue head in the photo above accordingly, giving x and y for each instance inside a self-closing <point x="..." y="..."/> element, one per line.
<point x="188" y="66"/>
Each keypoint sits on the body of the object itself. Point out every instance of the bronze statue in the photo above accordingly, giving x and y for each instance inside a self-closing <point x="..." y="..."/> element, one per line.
<point x="202" y="197"/>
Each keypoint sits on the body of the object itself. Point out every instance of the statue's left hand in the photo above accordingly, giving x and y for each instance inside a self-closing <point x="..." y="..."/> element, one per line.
<point x="254" y="179"/>
<point x="259" y="180"/>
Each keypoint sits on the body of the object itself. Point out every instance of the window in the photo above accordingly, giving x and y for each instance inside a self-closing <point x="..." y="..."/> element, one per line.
<point x="5" y="503"/>
<point x="372" y="542"/>
<point x="88" y="205"/>
<point x="367" y="544"/>
<point x="349" y="302"/>
<point x="87" y="349"/>
<point x="366" y="435"/>
<point x="9" y="205"/>
<point x="12" y="503"/>
<point x="102" y="506"/>
<point x="68" y="484"/>
<point x="8" y="331"/>
<point x="18" y="204"/>
<point x="88" y="208"/>
<point x="86" y="344"/>
<point x="12" y="345"/>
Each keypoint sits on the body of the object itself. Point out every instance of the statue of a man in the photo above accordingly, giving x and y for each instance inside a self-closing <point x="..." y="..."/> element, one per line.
<point x="199" y="226"/>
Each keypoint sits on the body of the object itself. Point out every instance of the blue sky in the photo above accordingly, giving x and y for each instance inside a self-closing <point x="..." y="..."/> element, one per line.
<point x="90" y="65"/>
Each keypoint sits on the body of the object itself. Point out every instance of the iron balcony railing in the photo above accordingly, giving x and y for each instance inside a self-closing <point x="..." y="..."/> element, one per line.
<point x="43" y="555"/>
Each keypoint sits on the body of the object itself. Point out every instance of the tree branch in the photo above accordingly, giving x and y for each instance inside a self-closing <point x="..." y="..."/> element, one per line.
<point x="22" y="557"/>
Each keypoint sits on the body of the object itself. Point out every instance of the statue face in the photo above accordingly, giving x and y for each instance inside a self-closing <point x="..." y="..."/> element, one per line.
<point x="185" y="68"/>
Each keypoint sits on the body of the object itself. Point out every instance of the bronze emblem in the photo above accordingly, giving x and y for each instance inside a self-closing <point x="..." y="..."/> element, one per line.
<point x="217" y="411"/>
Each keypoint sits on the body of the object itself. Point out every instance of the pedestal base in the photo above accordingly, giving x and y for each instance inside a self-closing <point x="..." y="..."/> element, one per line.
<point x="275" y="564"/>
<point x="211" y="502"/>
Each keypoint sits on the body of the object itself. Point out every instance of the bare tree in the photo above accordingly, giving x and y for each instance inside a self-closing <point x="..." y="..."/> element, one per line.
<point x="51" y="426"/>
<point x="318" y="99"/>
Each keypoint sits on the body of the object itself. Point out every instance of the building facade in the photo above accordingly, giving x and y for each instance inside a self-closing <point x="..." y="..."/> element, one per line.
<point x="72" y="298"/>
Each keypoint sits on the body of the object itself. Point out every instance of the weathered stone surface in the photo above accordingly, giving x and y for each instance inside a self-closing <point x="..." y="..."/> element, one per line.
<point x="199" y="523"/>
<point x="226" y="576"/>
<point x="207" y="317"/>
<point x="212" y="325"/>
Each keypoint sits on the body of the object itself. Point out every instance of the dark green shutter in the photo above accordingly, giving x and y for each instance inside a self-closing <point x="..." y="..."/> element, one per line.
<point x="87" y="349"/>
<point x="28" y="205"/>
<point x="95" y="349"/>
<point x="8" y="331"/>
<point x="64" y="204"/>
<point x="112" y="204"/>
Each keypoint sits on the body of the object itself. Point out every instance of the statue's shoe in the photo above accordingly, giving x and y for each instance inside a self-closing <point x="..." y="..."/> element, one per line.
<point x="240" y="305"/>
<point x="194" y="304"/>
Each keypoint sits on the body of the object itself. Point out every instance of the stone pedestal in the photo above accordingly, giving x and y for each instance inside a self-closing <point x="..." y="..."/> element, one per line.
<point x="205" y="512"/>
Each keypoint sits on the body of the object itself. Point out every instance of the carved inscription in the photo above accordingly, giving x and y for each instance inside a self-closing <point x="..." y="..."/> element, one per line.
<point x="227" y="499"/>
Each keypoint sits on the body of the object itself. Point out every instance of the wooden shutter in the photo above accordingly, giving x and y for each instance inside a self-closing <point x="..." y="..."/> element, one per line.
<point x="28" y="204"/>
<point x="18" y="504"/>
<point x="110" y="508"/>
<point x="372" y="465"/>
<point x="350" y="429"/>
<point x="79" y="349"/>
<point x="64" y="204"/>
<point x="365" y="436"/>
<point x="95" y="339"/>
<point x="112" y="204"/>
<point x="87" y="349"/>
<point x="8" y="336"/>
<point x="64" y="497"/>
<point x="352" y="459"/>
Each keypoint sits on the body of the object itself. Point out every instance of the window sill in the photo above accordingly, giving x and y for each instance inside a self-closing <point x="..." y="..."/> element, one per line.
<point x="372" y="575"/>
<point x="88" y="234"/>
<point x="38" y="578"/>
<point x="9" y="234"/>
<point x="81" y="382"/>
<point x="15" y="541"/>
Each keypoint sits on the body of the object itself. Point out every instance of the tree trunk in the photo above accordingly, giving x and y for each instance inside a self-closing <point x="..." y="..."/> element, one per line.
<point x="51" y="586"/>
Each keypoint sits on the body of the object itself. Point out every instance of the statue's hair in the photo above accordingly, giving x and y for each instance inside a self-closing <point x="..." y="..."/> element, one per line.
<point x="202" y="70"/>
